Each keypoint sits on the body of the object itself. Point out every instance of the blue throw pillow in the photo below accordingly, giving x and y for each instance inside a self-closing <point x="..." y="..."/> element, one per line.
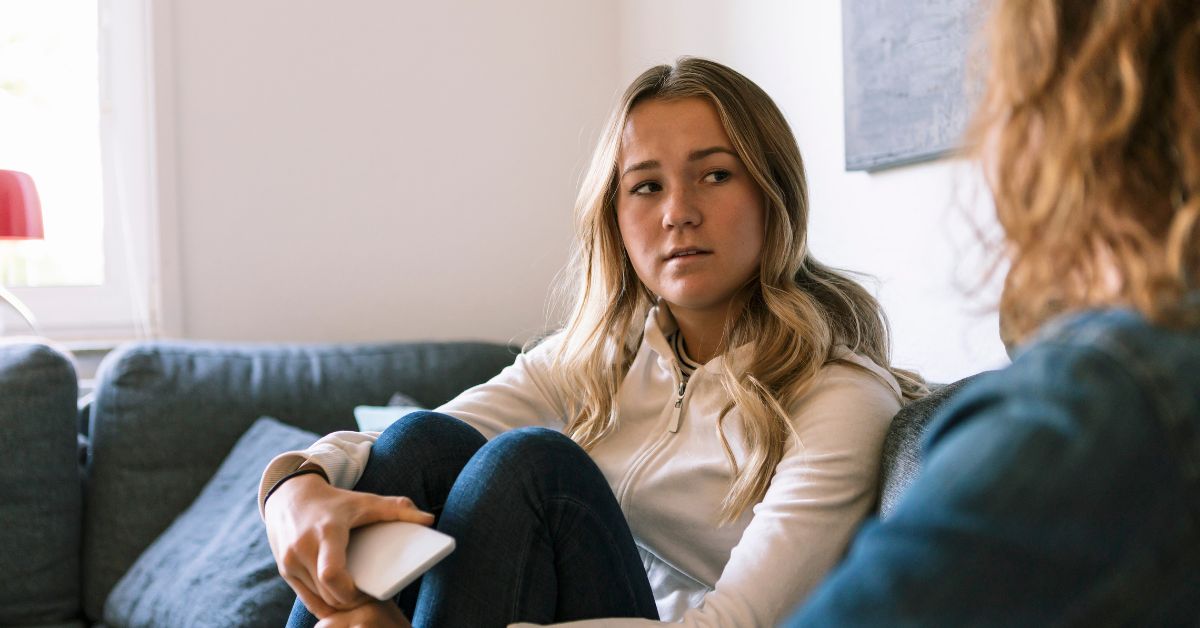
<point x="213" y="565"/>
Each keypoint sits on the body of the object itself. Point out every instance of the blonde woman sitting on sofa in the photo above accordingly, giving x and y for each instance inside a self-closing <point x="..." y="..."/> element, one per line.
<point x="696" y="445"/>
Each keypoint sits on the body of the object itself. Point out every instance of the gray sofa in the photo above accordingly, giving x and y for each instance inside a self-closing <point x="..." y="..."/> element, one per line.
<point x="164" y="417"/>
<point x="107" y="502"/>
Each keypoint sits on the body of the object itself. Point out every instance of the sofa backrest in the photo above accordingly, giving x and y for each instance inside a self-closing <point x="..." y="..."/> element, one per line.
<point x="902" y="447"/>
<point x="41" y="500"/>
<point x="165" y="414"/>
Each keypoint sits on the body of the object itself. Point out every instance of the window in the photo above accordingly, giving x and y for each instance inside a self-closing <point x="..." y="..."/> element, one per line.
<point x="77" y="114"/>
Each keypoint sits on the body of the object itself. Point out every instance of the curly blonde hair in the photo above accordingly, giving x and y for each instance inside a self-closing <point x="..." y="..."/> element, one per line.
<point x="796" y="310"/>
<point x="1089" y="133"/>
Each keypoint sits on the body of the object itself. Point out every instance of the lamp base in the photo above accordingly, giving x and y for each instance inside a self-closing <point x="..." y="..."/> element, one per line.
<point x="17" y="305"/>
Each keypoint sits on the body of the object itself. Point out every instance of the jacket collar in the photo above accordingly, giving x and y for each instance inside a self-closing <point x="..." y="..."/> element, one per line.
<point x="660" y="323"/>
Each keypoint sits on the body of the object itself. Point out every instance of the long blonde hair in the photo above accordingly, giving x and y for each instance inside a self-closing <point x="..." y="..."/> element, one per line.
<point x="1089" y="132"/>
<point x="796" y="310"/>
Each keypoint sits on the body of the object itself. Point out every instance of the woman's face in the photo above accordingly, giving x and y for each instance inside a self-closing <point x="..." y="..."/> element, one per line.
<point x="691" y="217"/>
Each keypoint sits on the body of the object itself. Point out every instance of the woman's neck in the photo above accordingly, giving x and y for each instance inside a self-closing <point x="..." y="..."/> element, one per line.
<point x="703" y="332"/>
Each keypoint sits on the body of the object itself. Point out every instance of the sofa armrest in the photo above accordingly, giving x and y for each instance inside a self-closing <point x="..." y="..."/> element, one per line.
<point x="41" y="501"/>
<point x="165" y="414"/>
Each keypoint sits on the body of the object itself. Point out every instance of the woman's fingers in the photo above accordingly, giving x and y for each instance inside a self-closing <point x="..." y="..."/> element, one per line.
<point x="308" y="529"/>
<point x="334" y="581"/>
<point x="374" y="614"/>
<point x="370" y="508"/>
<point x="308" y="525"/>
<point x="297" y="568"/>
<point x="311" y="601"/>
<point x="331" y="579"/>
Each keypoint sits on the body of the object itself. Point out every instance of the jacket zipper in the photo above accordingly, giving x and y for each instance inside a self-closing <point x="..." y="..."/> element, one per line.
<point x="622" y="492"/>
<point x="675" y="414"/>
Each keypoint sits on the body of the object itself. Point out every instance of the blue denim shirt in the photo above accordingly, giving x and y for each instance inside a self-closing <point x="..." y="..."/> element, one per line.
<point x="1063" y="490"/>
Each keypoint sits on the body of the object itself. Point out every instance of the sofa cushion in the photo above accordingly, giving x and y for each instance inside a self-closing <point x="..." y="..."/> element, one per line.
<point x="379" y="418"/>
<point x="213" y="565"/>
<point x="902" y="447"/>
<point x="165" y="414"/>
<point x="41" y="499"/>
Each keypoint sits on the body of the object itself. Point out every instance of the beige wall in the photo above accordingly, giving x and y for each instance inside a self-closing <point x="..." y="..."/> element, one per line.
<point x="400" y="170"/>
<point x="377" y="169"/>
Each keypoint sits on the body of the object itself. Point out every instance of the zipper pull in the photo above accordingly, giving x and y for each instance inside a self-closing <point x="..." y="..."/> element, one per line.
<point x="674" y="427"/>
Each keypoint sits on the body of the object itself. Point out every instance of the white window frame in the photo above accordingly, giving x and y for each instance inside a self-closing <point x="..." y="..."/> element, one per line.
<point x="138" y="298"/>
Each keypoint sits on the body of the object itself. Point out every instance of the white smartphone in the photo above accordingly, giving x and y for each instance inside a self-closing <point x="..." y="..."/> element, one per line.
<point x="383" y="558"/>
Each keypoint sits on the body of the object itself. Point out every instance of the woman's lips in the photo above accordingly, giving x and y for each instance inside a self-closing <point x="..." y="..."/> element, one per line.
<point x="688" y="256"/>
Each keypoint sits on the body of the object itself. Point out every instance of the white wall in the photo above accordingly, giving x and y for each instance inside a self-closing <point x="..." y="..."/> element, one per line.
<point x="399" y="170"/>
<point x="907" y="227"/>
<point x="376" y="169"/>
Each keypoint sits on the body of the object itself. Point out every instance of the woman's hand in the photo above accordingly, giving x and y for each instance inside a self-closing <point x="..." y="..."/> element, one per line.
<point x="374" y="614"/>
<point x="308" y="525"/>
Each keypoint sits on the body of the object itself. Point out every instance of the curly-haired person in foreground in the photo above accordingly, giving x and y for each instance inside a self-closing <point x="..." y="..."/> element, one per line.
<point x="1065" y="489"/>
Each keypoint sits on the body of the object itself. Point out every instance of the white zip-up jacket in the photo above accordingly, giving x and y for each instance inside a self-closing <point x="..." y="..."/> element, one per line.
<point x="669" y="472"/>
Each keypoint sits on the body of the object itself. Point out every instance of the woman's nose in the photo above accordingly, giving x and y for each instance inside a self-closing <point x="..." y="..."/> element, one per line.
<point x="680" y="209"/>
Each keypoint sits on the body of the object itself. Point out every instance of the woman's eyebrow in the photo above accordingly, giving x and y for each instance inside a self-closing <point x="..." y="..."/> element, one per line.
<point x="649" y="164"/>
<point x="695" y="155"/>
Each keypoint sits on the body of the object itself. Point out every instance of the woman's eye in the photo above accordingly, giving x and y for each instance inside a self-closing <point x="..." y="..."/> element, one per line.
<point x="717" y="176"/>
<point x="649" y="187"/>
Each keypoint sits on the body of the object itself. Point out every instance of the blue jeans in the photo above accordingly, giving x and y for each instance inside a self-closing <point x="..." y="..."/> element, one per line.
<point x="539" y="535"/>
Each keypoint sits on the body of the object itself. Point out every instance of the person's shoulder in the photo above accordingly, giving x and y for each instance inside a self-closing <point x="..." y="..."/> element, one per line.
<point x="1113" y="329"/>
<point x="859" y="373"/>
<point x="542" y="349"/>
<point x="535" y="361"/>
<point x="1102" y="376"/>
<point x="850" y="388"/>
<point x="1156" y="359"/>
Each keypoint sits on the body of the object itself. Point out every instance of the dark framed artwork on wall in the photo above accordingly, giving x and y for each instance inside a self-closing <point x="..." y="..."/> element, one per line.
<point x="903" y="65"/>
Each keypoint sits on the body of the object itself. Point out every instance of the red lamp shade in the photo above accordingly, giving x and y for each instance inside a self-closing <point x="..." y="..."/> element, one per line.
<point x="20" y="209"/>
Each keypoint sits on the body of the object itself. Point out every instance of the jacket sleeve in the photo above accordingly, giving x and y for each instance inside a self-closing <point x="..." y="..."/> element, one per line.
<point x="523" y="394"/>
<point x="823" y="488"/>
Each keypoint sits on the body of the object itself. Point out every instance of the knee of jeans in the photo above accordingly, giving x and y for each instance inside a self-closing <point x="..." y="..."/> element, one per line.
<point x="427" y="430"/>
<point x="535" y="447"/>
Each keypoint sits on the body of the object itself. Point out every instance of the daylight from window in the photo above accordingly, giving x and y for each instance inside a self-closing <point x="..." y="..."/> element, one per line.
<point x="49" y="128"/>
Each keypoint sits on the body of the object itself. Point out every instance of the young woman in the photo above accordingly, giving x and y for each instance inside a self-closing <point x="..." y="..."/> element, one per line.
<point x="1065" y="490"/>
<point x="717" y="402"/>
